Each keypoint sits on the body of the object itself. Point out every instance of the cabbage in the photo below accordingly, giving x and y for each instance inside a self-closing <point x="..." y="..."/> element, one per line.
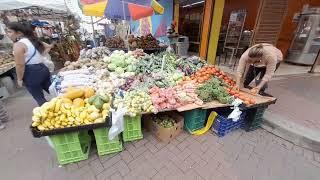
<point x="131" y="68"/>
<point x="112" y="67"/>
<point x="106" y="59"/>
<point x="118" y="61"/>
<point x="128" y="61"/>
<point x="119" y="70"/>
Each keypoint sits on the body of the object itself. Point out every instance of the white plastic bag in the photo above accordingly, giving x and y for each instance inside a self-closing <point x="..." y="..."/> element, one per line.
<point x="47" y="62"/>
<point x="49" y="141"/>
<point x="52" y="89"/>
<point x="236" y="113"/>
<point x="117" y="122"/>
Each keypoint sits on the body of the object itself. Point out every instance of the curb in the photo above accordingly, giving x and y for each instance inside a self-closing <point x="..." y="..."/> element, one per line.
<point x="290" y="131"/>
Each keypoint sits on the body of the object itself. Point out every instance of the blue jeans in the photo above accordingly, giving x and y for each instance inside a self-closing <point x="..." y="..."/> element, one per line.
<point x="36" y="79"/>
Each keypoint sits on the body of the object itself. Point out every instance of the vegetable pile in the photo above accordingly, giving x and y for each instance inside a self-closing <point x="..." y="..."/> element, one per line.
<point x="136" y="102"/>
<point x="115" y="42"/>
<point x="190" y="65"/>
<point x="164" y="121"/>
<point x="121" y="62"/>
<point x="143" y="42"/>
<point x="5" y="58"/>
<point x="213" y="90"/>
<point x="94" y="53"/>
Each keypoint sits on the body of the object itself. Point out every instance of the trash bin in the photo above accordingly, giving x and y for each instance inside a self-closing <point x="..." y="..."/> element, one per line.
<point x="182" y="46"/>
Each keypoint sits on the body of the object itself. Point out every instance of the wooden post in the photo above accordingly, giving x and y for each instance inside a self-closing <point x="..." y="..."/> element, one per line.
<point x="206" y="24"/>
<point x="215" y="30"/>
<point x="176" y="15"/>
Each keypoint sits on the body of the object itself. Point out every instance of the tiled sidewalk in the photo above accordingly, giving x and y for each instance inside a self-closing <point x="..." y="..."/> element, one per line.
<point x="240" y="155"/>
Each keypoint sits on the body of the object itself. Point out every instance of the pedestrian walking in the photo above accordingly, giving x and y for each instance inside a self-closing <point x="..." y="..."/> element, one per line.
<point x="29" y="54"/>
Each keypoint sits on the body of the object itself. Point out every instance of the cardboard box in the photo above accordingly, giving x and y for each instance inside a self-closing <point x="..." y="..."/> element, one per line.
<point x="165" y="134"/>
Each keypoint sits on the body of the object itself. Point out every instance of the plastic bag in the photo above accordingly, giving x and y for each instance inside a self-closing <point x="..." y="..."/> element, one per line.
<point x="47" y="62"/>
<point x="49" y="141"/>
<point x="117" y="122"/>
<point x="236" y="113"/>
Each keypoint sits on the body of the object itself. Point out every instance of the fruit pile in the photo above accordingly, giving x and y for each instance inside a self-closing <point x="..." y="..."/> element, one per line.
<point x="75" y="108"/>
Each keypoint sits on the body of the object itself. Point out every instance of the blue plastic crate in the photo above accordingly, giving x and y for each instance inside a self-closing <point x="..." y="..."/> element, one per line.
<point x="222" y="125"/>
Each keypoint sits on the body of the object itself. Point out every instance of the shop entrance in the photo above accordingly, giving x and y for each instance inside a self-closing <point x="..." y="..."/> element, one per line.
<point x="190" y="23"/>
<point x="297" y="32"/>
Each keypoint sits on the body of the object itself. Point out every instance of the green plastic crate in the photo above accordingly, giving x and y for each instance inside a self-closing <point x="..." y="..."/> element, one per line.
<point x="71" y="147"/>
<point x="194" y="119"/>
<point x="104" y="145"/>
<point x="254" y="118"/>
<point x="132" y="128"/>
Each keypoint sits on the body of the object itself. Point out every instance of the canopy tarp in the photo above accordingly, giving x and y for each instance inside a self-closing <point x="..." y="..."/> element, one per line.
<point x="58" y="5"/>
<point x="49" y="9"/>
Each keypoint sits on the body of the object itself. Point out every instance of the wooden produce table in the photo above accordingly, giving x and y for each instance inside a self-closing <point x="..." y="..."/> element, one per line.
<point x="6" y="67"/>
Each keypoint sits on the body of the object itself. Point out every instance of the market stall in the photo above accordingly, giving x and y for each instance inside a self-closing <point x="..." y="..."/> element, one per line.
<point x="111" y="93"/>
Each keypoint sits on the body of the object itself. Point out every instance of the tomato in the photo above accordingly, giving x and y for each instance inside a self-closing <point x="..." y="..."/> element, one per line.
<point x="222" y="73"/>
<point x="232" y="92"/>
<point x="252" y="101"/>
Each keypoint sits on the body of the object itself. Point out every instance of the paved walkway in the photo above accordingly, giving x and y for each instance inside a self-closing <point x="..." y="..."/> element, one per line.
<point x="298" y="99"/>
<point x="240" y="155"/>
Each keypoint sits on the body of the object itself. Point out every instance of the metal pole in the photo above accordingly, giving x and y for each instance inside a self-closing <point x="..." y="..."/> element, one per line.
<point x="316" y="61"/>
<point x="93" y="33"/>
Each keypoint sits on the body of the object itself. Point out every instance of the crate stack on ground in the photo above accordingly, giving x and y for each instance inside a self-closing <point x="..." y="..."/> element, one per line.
<point x="132" y="128"/>
<point x="254" y="118"/>
<point x="194" y="119"/>
<point x="71" y="147"/>
<point x="104" y="144"/>
<point x="223" y="125"/>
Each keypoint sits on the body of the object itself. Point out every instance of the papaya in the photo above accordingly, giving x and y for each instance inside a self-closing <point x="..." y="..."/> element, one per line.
<point x="88" y="92"/>
<point x="78" y="102"/>
<point x="73" y="94"/>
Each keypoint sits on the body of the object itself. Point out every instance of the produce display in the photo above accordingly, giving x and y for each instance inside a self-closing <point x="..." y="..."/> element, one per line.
<point x="94" y="53"/>
<point x="139" y="82"/>
<point x="143" y="42"/>
<point x="75" y="108"/>
<point x="5" y="58"/>
<point x="115" y="42"/>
